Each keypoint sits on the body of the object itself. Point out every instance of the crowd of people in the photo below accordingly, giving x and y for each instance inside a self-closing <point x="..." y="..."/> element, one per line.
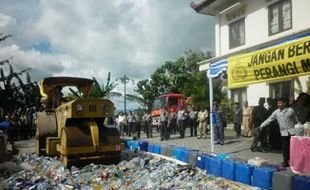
<point x="172" y="122"/>
<point x="19" y="125"/>
<point x="271" y="123"/>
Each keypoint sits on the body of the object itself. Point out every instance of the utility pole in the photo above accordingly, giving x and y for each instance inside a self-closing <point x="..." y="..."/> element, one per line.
<point x="124" y="80"/>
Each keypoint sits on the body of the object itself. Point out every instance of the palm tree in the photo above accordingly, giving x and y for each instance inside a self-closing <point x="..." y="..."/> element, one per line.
<point x="104" y="91"/>
<point x="98" y="91"/>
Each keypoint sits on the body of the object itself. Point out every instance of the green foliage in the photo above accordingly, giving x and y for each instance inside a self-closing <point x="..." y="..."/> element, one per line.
<point x="98" y="91"/>
<point x="180" y="76"/>
<point x="104" y="91"/>
<point x="16" y="96"/>
<point x="147" y="93"/>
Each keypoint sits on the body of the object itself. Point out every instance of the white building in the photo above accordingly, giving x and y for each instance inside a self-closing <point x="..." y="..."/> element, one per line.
<point x="247" y="26"/>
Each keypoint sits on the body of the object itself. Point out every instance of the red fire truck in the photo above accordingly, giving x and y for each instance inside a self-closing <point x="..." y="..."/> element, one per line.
<point x="171" y="101"/>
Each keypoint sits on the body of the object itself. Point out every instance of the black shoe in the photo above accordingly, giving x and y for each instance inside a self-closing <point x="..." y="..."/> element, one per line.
<point x="217" y="143"/>
<point x="253" y="149"/>
<point x="222" y="143"/>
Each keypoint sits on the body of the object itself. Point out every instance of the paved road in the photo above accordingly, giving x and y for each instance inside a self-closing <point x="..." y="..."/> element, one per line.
<point x="237" y="147"/>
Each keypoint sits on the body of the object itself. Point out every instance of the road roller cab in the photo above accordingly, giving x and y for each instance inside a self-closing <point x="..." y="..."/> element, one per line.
<point x="75" y="130"/>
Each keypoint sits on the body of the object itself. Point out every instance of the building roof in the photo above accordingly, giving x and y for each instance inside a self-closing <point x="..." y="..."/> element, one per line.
<point x="203" y="7"/>
<point x="212" y="7"/>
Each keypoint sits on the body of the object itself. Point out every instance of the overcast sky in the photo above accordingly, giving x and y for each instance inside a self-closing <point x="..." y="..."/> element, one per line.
<point x="91" y="38"/>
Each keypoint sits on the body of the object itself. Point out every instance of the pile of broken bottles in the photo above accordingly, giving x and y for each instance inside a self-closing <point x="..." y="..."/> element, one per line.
<point x="136" y="171"/>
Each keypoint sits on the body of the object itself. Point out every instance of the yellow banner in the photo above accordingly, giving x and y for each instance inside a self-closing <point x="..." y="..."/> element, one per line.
<point x="282" y="62"/>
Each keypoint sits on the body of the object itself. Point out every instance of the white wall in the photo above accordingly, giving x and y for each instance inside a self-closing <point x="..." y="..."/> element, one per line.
<point x="303" y="81"/>
<point x="256" y="25"/>
<point x="255" y="91"/>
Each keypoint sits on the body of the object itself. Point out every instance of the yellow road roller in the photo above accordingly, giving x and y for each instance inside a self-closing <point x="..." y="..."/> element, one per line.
<point x="76" y="130"/>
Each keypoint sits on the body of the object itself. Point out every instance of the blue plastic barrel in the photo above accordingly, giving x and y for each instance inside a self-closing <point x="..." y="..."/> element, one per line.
<point x="125" y="142"/>
<point x="143" y="145"/>
<point x="157" y="149"/>
<point x="228" y="169"/>
<point x="200" y="161"/>
<point x="244" y="173"/>
<point x="262" y="177"/>
<point x="184" y="155"/>
<point x="134" y="145"/>
<point x="301" y="183"/>
<point x="207" y="159"/>
<point x="176" y="152"/>
<point x="215" y="167"/>
<point x="150" y="147"/>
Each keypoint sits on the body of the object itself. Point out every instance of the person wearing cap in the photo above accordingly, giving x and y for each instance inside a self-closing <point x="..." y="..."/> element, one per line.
<point x="181" y="120"/>
<point x="258" y="116"/>
<point x="219" y="122"/>
<point x="172" y="121"/>
<point x="237" y="118"/>
<point x="164" y="131"/>
<point x="246" y="113"/>
<point x="203" y="123"/>
<point x="193" y="123"/>
<point x="287" y="118"/>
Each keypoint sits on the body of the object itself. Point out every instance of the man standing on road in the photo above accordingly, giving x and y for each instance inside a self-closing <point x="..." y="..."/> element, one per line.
<point x="148" y="121"/>
<point x="246" y="114"/>
<point x="182" y="116"/>
<point x="129" y="119"/>
<point x="237" y="119"/>
<point x="259" y="115"/>
<point x="219" y="123"/>
<point x="193" y="115"/>
<point x="121" y="123"/>
<point x="203" y="122"/>
<point x="286" y="118"/>
<point x="172" y="121"/>
<point x="164" y="131"/>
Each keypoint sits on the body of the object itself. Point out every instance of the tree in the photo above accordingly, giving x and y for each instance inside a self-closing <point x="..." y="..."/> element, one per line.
<point x="146" y="92"/>
<point x="180" y="76"/>
<point x="104" y="91"/>
<point x="98" y="91"/>
<point x="13" y="96"/>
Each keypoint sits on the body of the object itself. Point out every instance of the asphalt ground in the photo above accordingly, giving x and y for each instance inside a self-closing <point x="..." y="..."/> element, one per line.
<point x="236" y="147"/>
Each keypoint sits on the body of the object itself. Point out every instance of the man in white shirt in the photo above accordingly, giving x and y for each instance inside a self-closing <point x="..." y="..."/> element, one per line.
<point x="286" y="118"/>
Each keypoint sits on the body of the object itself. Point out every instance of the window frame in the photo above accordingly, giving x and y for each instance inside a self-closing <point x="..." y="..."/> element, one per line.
<point x="278" y="5"/>
<point x="280" y="86"/>
<point x="238" y="21"/>
<point x="239" y="93"/>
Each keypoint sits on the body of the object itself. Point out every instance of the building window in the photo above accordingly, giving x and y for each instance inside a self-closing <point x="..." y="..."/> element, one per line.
<point x="283" y="89"/>
<point x="236" y="33"/>
<point x="238" y="95"/>
<point x="280" y="17"/>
